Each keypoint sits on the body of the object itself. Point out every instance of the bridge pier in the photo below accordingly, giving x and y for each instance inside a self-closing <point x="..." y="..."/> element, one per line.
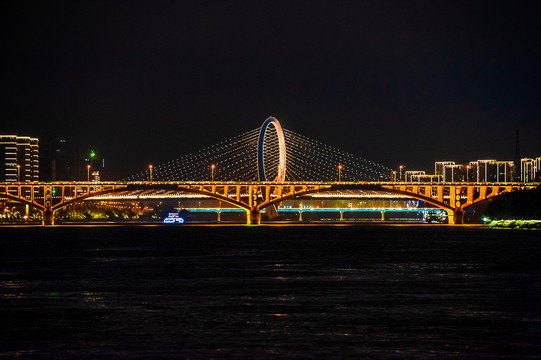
<point x="459" y="216"/>
<point x="455" y="217"/>
<point x="47" y="216"/>
<point x="253" y="216"/>
<point x="451" y="217"/>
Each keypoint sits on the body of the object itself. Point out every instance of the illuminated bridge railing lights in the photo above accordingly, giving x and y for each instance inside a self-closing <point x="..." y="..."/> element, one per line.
<point x="254" y="196"/>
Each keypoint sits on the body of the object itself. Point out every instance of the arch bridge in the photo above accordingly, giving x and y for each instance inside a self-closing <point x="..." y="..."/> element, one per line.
<point x="253" y="197"/>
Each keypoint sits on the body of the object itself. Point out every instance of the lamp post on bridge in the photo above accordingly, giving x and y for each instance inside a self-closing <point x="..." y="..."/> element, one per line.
<point x="467" y="173"/>
<point x="212" y="167"/>
<point x="88" y="173"/>
<point x="400" y="177"/>
<point x="339" y="171"/>
<point x="18" y="173"/>
<point x="150" y="171"/>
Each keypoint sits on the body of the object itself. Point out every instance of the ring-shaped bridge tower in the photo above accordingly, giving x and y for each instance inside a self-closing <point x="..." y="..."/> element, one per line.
<point x="280" y="178"/>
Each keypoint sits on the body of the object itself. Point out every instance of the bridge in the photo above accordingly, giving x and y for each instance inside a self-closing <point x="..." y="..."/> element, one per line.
<point x="253" y="197"/>
<point x="298" y="167"/>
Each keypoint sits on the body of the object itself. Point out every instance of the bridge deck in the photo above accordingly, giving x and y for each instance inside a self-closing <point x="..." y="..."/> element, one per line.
<point x="453" y="197"/>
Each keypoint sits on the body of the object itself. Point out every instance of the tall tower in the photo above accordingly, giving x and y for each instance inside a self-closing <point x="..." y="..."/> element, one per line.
<point x="517" y="169"/>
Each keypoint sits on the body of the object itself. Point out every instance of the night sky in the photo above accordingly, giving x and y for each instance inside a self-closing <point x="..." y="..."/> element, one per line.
<point x="395" y="82"/>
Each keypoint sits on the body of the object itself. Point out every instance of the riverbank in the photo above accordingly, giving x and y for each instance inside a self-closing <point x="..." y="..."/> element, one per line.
<point x="515" y="224"/>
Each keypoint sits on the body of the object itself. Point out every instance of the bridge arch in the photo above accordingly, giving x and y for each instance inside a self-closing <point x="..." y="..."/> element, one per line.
<point x="256" y="196"/>
<point x="48" y="211"/>
<point x="85" y="196"/>
<point x="450" y="210"/>
<point x="280" y="178"/>
<point x="23" y="201"/>
<point x="48" y="208"/>
<point x="216" y="196"/>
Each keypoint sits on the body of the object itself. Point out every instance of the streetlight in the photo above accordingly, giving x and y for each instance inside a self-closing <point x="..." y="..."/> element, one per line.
<point x="467" y="173"/>
<point x="339" y="171"/>
<point x="150" y="171"/>
<point x="212" y="167"/>
<point x="88" y="173"/>
<point x="400" y="178"/>
<point x="18" y="173"/>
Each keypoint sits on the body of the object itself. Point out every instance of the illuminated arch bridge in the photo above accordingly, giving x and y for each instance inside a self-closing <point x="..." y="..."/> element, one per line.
<point x="298" y="166"/>
<point x="253" y="197"/>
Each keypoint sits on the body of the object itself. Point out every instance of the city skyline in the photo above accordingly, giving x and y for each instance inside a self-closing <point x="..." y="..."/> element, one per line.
<point x="394" y="82"/>
<point x="60" y="162"/>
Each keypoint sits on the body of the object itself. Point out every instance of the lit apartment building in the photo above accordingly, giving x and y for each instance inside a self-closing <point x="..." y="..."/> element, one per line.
<point x="414" y="175"/>
<point x="485" y="170"/>
<point x="504" y="171"/>
<point x="19" y="158"/>
<point x="528" y="169"/>
<point x="439" y="166"/>
<point x="471" y="171"/>
<point x="452" y="173"/>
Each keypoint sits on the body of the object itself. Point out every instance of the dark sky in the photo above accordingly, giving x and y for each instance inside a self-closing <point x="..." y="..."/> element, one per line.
<point x="396" y="82"/>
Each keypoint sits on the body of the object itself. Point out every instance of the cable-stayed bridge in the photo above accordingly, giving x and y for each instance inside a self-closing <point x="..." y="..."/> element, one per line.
<point x="236" y="159"/>
<point x="257" y="170"/>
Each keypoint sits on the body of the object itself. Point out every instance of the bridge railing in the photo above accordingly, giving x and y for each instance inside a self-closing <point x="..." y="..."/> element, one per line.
<point x="253" y="196"/>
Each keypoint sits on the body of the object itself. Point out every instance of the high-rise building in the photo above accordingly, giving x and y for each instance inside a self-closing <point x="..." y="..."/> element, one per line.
<point x="8" y="158"/>
<point x="528" y="169"/>
<point x="486" y="170"/>
<point x="452" y="173"/>
<point x="471" y="171"/>
<point x="63" y="162"/>
<point x="414" y="175"/>
<point x="67" y="164"/>
<point x="538" y="169"/>
<point x="439" y="167"/>
<point x="19" y="158"/>
<point x="504" y="171"/>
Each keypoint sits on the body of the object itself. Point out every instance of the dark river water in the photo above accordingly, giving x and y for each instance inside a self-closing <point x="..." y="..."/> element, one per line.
<point x="276" y="292"/>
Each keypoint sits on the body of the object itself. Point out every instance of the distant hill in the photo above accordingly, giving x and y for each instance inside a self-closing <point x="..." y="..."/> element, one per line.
<point x="517" y="205"/>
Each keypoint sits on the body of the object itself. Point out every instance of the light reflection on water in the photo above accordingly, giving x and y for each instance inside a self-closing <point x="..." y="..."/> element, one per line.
<point x="11" y="289"/>
<point x="313" y="292"/>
